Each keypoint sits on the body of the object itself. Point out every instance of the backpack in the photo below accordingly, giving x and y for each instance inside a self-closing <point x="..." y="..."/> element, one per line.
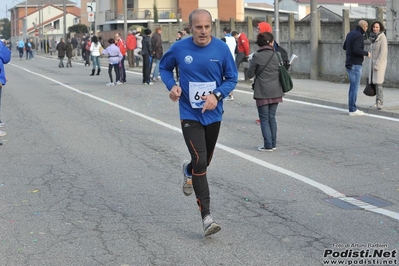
<point x="88" y="44"/>
<point x="284" y="56"/>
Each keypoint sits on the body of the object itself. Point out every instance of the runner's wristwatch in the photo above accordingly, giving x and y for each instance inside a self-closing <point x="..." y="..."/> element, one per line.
<point x="218" y="95"/>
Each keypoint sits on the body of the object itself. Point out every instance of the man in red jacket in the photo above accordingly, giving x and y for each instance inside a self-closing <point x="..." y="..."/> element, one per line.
<point x="122" y="47"/>
<point x="131" y="44"/>
<point x="242" y="53"/>
<point x="242" y="47"/>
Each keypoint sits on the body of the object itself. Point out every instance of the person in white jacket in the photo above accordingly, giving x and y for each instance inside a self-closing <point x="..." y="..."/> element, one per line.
<point x="137" y="51"/>
<point x="95" y="55"/>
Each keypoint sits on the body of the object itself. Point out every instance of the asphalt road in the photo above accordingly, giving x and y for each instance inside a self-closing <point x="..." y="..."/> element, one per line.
<point x="90" y="175"/>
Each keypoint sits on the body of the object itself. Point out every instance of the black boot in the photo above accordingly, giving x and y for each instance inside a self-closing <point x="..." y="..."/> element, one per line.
<point x="92" y="72"/>
<point x="98" y="71"/>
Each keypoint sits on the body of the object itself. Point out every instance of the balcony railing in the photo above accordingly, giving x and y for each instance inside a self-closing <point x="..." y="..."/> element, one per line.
<point x="141" y="14"/>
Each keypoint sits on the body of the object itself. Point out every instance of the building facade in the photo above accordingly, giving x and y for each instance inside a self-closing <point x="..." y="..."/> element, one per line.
<point x="33" y="18"/>
<point x="110" y="14"/>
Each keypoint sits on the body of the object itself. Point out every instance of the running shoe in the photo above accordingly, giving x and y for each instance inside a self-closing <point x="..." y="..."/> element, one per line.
<point x="210" y="227"/>
<point x="187" y="180"/>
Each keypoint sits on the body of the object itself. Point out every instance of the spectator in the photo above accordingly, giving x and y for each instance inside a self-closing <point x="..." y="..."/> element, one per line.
<point x="355" y="53"/>
<point x="266" y="27"/>
<point x="378" y="62"/>
<point x="179" y="35"/>
<point x="131" y="44"/>
<point x="268" y="92"/>
<point x="95" y="48"/>
<point x="28" y="49"/>
<point x="114" y="57"/>
<point x="69" y="52"/>
<point x="186" y="33"/>
<point x="122" y="46"/>
<point x="146" y="54"/>
<point x="232" y="44"/>
<point x="87" y="51"/>
<point x="137" y="51"/>
<point x="21" y="46"/>
<point x="32" y="48"/>
<point x="74" y="43"/>
<point x="157" y="51"/>
<point x="242" y="47"/>
<point x="61" y="48"/>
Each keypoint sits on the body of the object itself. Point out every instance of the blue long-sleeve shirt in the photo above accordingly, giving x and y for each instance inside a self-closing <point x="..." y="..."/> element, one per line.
<point x="5" y="57"/>
<point x="202" y="70"/>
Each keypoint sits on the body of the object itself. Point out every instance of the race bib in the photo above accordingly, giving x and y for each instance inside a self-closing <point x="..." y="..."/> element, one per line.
<point x="198" y="89"/>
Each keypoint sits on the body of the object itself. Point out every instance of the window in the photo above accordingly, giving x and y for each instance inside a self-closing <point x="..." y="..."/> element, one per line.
<point x="56" y="24"/>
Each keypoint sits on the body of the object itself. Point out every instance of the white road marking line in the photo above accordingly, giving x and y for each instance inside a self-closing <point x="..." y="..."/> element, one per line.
<point x="326" y="189"/>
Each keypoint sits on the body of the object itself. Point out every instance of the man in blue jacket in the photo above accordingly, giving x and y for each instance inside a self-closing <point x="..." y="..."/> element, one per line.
<point x="355" y="53"/>
<point x="207" y="75"/>
<point x="5" y="56"/>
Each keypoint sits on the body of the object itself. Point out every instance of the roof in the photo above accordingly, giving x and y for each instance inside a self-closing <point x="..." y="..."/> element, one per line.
<point x="44" y="2"/>
<point x="262" y="5"/>
<point x="360" y="2"/>
<point x="270" y="9"/>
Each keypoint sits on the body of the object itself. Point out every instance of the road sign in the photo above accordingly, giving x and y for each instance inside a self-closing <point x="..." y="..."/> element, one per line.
<point x="36" y="33"/>
<point x="90" y="16"/>
<point x="52" y="28"/>
<point x="91" y="7"/>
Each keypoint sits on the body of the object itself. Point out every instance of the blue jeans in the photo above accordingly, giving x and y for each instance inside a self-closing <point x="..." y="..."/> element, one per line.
<point x="155" y="74"/>
<point x="268" y="124"/>
<point x="354" y="75"/>
<point x="21" y="52"/>
<point x="96" y="62"/>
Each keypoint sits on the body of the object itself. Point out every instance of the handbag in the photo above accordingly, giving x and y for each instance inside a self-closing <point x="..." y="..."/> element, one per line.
<point x="256" y="74"/>
<point x="284" y="76"/>
<point x="369" y="90"/>
<point x="101" y="49"/>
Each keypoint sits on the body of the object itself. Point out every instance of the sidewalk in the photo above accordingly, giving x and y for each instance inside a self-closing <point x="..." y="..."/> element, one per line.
<point x="325" y="93"/>
<point x="336" y="94"/>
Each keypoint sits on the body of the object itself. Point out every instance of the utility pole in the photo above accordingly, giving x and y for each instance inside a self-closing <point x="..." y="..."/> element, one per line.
<point x="64" y="30"/>
<point x="314" y="41"/>
<point x="125" y="18"/>
<point x="26" y="20"/>
<point x="276" y="21"/>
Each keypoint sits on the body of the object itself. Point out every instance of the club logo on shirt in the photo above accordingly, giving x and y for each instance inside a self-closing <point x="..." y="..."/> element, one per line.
<point x="188" y="59"/>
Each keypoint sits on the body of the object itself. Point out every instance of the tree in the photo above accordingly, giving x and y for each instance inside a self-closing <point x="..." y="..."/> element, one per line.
<point x="78" y="28"/>
<point x="6" y="32"/>
<point x="155" y="12"/>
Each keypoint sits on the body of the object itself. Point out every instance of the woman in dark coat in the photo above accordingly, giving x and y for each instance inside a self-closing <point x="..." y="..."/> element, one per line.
<point x="268" y="92"/>
<point x="61" y="48"/>
<point x="69" y="49"/>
